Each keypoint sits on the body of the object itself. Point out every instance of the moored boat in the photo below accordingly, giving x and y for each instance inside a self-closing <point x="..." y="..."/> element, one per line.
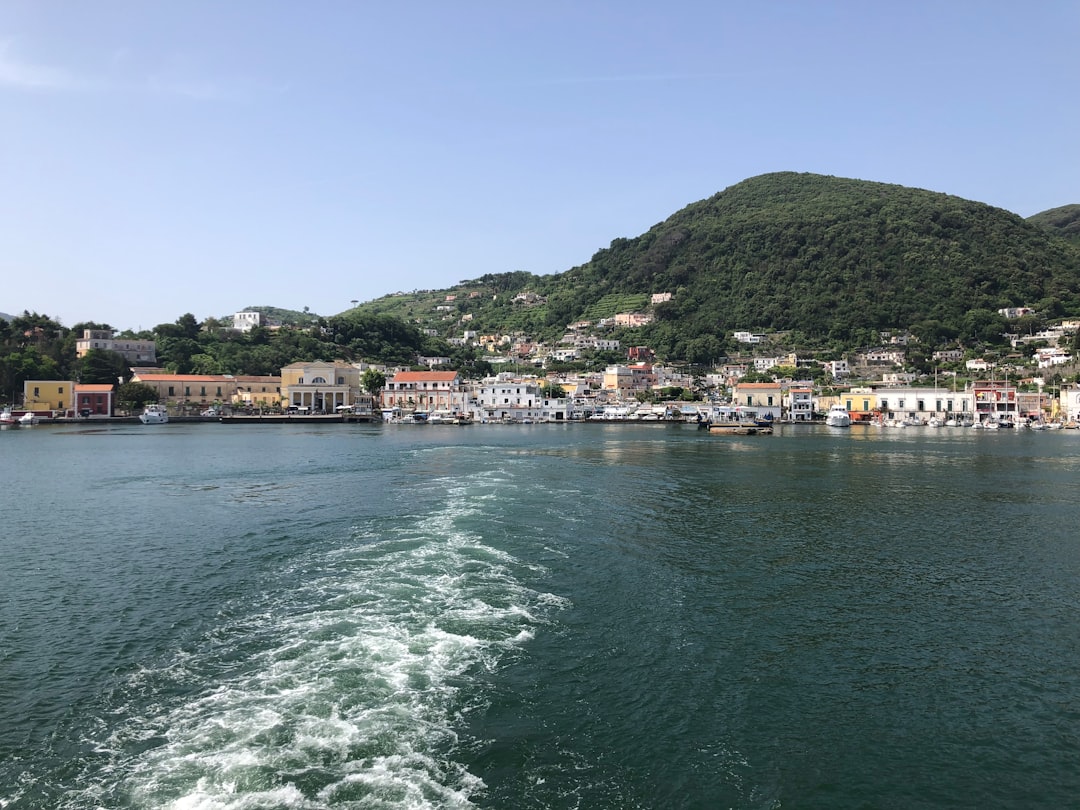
<point x="154" y="415"/>
<point x="838" y="416"/>
<point x="737" y="427"/>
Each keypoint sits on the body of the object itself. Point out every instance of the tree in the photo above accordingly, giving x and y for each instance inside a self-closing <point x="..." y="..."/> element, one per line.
<point x="204" y="364"/>
<point x="189" y="326"/>
<point x="133" y="396"/>
<point x="101" y="367"/>
<point x="552" y="390"/>
<point x="373" y="381"/>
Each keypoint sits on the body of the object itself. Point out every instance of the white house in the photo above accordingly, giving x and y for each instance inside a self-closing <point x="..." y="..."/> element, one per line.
<point x="246" y="321"/>
<point x="504" y="400"/>
<point x="748" y="337"/>
<point x="800" y="404"/>
<point x="923" y="403"/>
<point x="1069" y="399"/>
<point x="837" y="368"/>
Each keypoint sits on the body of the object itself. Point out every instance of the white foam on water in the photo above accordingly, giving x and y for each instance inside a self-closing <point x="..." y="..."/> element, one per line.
<point x="347" y="690"/>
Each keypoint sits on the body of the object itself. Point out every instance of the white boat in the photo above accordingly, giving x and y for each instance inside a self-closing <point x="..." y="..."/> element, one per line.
<point x="154" y="415"/>
<point x="6" y="419"/>
<point x="448" y="418"/>
<point x="28" y="419"/>
<point x="838" y="416"/>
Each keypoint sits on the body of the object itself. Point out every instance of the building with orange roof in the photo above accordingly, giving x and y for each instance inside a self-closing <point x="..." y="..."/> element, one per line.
<point x="764" y="398"/>
<point x="94" y="400"/>
<point x="257" y="391"/>
<point x="181" y="392"/>
<point x="425" y="391"/>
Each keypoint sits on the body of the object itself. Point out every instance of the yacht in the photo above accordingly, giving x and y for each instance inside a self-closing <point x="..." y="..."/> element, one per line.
<point x="838" y="416"/>
<point x="154" y="415"/>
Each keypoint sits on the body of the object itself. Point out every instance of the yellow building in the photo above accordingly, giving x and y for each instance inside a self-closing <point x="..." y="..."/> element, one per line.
<point x="764" y="400"/>
<point x="860" y="403"/>
<point x="184" y="392"/>
<point x="48" y="395"/>
<point x="319" y="386"/>
<point x="257" y="392"/>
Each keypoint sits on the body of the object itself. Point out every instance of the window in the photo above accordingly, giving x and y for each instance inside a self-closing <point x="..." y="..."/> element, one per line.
<point x="60" y="390"/>
<point x="884" y="404"/>
<point x="318" y="381"/>
<point x="172" y="393"/>
<point x="866" y="404"/>
<point x="37" y="392"/>
<point x="187" y="390"/>
<point x="900" y="405"/>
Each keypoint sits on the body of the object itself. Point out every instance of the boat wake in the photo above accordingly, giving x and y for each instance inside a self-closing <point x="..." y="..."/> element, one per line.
<point x="347" y="688"/>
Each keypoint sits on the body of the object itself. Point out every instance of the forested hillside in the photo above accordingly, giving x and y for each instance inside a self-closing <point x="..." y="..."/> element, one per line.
<point x="1063" y="222"/>
<point x="830" y="259"/>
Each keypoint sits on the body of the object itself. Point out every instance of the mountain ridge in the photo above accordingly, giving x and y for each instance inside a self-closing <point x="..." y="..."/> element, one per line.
<point x="833" y="259"/>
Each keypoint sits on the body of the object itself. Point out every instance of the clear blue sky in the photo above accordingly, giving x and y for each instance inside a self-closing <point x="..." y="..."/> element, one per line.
<point x="158" y="158"/>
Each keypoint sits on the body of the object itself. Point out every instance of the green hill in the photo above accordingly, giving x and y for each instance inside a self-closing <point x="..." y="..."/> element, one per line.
<point x="831" y="260"/>
<point x="1063" y="222"/>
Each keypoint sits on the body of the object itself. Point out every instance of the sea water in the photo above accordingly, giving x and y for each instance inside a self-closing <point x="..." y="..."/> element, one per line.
<point x="544" y="616"/>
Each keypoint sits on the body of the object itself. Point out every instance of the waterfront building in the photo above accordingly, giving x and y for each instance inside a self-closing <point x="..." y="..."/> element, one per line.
<point x="188" y="391"/>
<point x="257" y="391"/>
<point x="860" y="403"/>
<point x="799" y="402"/>
<point x="763" y="398"/>
<point x="625" y="379"/>
<point x="995" y="400"/>
<point x="922" y="404"/>
<point x="319" y="386"/>
<point x="1069" y="403"/>
<point x="517" y="401"/>
<point x="424" y="391"/>
<point x="93" y="400"/>
<point x="48" y="395"/>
